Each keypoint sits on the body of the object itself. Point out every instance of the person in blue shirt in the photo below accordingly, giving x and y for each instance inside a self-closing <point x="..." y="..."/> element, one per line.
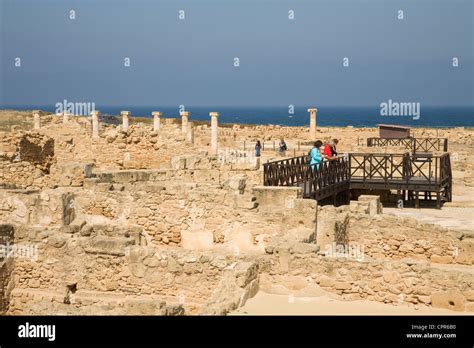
<point x="258" y="147"/>
<point x="315" y="155"/>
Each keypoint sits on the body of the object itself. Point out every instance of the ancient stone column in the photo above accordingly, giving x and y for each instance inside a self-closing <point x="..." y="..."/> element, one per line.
<point x="125" y="120"/>
<point x="65" y="117"/>
<point x="36" y="119"/>
<point x="184" y="121"/>
<point x="214" y="116"/>
<point x="156" y="120"/>
<point x="95" y="123"/>
<point x="312" y="123"/>
<point x="190" y="135"/>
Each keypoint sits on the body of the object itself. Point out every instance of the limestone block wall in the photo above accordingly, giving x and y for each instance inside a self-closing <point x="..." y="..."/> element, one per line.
<point x="396" y="282"/>
<point x="87" y="267"/>
<point x="221" y="168"/>
<point x="398" y="238"/>
<point x="138" y="148"/>
<point x="45" y="208"/>
<point x="380" y="236"/>
<point x="201" y="216"/>
<point x="31" y="147"/>
<point x="108" y="270"/>
<point x="20" y="174"/>
<point x="25" y="159"/>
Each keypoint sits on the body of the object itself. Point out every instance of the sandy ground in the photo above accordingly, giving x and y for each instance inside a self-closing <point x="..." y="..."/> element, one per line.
<point x="272" y="304"/>
<point x="457" y="218"/>
<point x="456" y="215"/>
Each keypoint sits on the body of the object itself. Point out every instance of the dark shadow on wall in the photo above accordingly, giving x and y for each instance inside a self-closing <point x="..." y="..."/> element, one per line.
<point x="6" y="265"/>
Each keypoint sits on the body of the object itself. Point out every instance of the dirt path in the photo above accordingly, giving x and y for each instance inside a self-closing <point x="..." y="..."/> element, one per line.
<point x="459" y="218"/>
<point x="272" y="304"/>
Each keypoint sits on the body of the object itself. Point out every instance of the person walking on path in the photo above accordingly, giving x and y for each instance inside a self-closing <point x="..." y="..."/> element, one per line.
<point x="282" y="148"/>
<point x="258" y="148"/>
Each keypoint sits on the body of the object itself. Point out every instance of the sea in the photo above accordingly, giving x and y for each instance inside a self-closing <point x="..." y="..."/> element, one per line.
<point x="436" y="117"/>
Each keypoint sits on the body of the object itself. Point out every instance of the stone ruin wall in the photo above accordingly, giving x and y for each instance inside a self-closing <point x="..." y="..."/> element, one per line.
<point x="56" y="155"/>
<point x="403" y="260"/>
<point x="89" y="268"/>
<point x="396" y="282"/>
<point x="141" y="148"/>
<point x="125" y="254"/>
<point x="103" y="273"/>
<point x="138" y="148"/>
<point x="189" y="215"/>
<point x="112" y="268"/>
<point x="392" y="237"/>
<point x="25" y="159"/>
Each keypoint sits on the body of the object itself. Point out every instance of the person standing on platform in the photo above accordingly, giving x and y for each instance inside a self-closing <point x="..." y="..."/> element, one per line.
<point x="315" y="155"/>
<point x="330" y="149"/>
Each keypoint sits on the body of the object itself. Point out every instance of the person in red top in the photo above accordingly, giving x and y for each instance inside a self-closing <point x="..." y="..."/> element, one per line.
<point x="330" y="149"/>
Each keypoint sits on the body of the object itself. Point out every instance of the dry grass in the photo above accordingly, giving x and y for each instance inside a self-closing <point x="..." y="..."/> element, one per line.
<point x="20" y="119"/>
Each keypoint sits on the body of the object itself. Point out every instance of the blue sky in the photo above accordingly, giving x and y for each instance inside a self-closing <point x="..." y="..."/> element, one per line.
<point x="191" y="61"/>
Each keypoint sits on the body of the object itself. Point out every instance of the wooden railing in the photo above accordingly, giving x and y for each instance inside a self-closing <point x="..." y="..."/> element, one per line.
<point x="327" y="179"/>
<point x="412" y="144"/>
<point x="379" y="166"/>
<point x="414" y="172"/>
<point x="286" y="172"/>
<point x="313" y="178"/>
<point x="429" y="169"/>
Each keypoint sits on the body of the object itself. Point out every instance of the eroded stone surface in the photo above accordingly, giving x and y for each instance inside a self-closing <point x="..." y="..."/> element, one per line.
<point x="145" y="221"/>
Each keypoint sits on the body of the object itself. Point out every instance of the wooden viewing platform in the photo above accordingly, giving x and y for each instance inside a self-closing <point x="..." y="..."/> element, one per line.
<point x="409" y="174"/>
<point x="412" y="144"/>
